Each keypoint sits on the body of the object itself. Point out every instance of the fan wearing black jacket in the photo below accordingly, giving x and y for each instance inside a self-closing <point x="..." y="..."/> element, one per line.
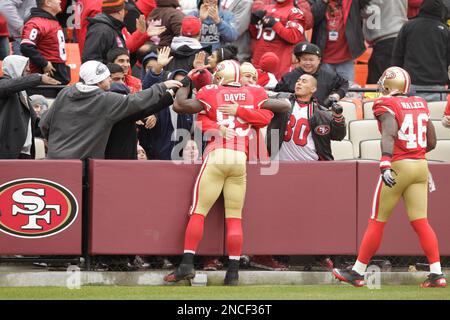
<point x="306" y="131"/>
<point x="330" y="85"/>
<point x="423" y="49"/>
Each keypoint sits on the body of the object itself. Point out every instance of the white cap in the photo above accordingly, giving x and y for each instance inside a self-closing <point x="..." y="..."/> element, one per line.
<point x="93" y="72"/>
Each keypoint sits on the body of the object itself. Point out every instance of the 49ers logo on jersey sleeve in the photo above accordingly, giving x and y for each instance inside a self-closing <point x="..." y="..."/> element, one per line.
<point x="36" y="208"/>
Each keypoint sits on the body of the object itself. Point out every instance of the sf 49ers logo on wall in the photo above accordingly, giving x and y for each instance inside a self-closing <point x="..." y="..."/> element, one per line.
<point x="36" y="208"/>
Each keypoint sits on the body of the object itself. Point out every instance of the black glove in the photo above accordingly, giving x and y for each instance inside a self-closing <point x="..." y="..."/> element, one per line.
<point x="336" y="108"/>
<point x="329" y="101"/>
<point x="257" y="16"/>
<point x="268" y="22"/>
<point x="186" y="82"/>
<point x="388" y="178"/>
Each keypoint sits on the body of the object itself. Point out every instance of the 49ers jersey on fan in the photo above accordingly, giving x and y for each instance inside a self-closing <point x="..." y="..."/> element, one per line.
<point x="48" y="38"/>
<point x="282" y="37"/>
<point x="412" y="116"/>
<point x="249" y="113"/>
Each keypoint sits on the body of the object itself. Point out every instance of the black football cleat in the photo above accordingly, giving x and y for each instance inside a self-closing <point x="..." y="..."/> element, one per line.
<point x="349" y="276"/>
<point x="434" y="281"/>
<point x="232" y="275"/>
<point x="231" y="278"/>
<point x="183" y="272"/>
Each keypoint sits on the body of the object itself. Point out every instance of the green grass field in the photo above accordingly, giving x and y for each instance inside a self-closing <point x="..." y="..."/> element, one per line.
<point x="313" y="292"/>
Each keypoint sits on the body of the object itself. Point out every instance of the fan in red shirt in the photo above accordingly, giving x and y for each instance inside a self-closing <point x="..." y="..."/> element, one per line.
<point x="44" y="43"/>
<point x="4" y="34"/>
<point x="407" y="134"/>
<point x="277" y="28"/>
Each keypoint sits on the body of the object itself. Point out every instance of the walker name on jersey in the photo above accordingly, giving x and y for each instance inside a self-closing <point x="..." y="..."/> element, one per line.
<point x="413" y="105"/>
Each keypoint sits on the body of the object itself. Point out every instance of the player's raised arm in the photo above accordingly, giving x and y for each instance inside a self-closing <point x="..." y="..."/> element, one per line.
<point x="277" y="105"/>
<point x="431" y="136"/>
<point x="183" y="105"/>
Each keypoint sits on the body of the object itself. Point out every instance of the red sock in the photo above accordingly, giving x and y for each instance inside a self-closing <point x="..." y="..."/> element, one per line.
<point x="194" y="232"/>
<point x="428" y="239"/>
<point x="234" y="236"/>
<point x="371" y="241"/>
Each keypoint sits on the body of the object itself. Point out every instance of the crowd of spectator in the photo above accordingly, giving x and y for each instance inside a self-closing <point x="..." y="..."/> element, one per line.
<point x="136" y="54"/>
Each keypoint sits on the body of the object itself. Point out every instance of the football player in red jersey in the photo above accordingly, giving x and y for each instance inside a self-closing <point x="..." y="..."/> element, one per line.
<point x="229" y="112"/>
<point x="277" y="28"/>
<point x="44" y="43"/>
<point x="406" y="135"/>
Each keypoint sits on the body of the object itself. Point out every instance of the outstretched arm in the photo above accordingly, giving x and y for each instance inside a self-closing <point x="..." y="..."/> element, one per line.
<point x="183" y="105"/>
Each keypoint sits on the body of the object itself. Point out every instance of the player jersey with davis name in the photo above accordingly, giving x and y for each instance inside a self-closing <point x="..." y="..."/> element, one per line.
<point x="249" y="114"/>
<point x="412" y="116"/>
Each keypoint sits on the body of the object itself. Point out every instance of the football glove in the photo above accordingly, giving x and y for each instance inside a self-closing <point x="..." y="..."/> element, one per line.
<point x="257" y="16"/>
<point x="268" y="22"/>
<point x="386" y="170"/>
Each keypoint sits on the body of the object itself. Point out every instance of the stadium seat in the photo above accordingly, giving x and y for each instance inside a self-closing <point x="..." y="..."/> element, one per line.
<point x="342" y="150"/>
<point x="370" y="149"/>
<point x="441" y="152"/>
<point x="437" y="109"/>
<point x="441" y="131"/>
<point x="361" y="71"/>
<point x="367" y="106"/>
<point x="40" y="148"/>
<point x="73" y="61"/>
<point x="360" y="130"/>
<point x="349" y="108"/>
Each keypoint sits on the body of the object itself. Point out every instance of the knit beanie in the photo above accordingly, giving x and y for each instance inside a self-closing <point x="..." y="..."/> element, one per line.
<point x="112" y="6"/>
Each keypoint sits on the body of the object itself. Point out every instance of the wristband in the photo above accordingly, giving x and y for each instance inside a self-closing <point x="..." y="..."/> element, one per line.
<point x="385" y="161"/>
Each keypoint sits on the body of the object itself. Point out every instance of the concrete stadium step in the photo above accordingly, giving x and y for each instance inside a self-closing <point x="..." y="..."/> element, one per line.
<point x="33" y="278"/>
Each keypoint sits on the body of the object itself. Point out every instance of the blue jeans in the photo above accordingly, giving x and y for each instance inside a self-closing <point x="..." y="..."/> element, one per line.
<point x="429" y="96"/>
<point x="4" y="47"/>
<point x="344" y="69"/>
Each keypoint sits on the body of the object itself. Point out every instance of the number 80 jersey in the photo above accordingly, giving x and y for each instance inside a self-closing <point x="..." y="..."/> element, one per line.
<point x="412" y="116"/>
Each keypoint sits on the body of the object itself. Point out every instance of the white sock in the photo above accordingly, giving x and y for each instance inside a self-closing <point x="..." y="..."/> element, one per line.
<point x="234" y="258"/>
<point x="359" y="267"/>
<point x="435" y="268"/>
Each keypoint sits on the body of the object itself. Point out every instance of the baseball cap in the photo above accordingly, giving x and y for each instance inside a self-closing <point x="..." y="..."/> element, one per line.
<point x="190" y="26"/>
<point x="93" y="72"/>
<point x="306" y="47"/>
<point x="269" y="62"/>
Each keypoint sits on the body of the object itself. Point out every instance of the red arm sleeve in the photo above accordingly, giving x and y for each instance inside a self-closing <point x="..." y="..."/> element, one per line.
<point x="256" y="117"/>
<point x="294" y="30"/>
<point x="135" y="40"/>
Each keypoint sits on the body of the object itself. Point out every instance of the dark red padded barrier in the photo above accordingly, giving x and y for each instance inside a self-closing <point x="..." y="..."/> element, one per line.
<point x="65" y="173"/>
<point x="307" y="208"/>
<point x="141" y="207"/>
<point x="149" y="213"/>
<point x="399" y="237"/>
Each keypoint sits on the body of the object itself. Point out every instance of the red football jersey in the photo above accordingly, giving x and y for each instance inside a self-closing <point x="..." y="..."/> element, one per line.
<point x="249" y="114"/>
<point x="282" y="37"/>
<point x="48" y="37"/>
<point x="412" y="116"/>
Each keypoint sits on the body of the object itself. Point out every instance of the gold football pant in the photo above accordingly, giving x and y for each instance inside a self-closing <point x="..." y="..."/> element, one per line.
<point x="411" y="184"/>
<point x="223" y="169"/>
